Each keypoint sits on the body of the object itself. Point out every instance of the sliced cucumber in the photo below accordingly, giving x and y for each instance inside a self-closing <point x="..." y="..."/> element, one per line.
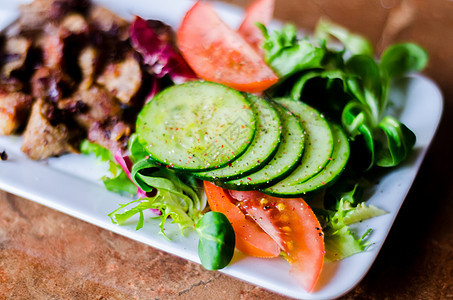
<point x="286" y="159"/>
<point x="318" y="145"/>
<point x="331" y="171"/>
<point x="262" y="148"/>
<point x="196" y="126"/>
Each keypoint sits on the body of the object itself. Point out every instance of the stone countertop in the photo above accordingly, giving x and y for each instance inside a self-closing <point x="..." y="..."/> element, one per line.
<point x="45" y="254"/>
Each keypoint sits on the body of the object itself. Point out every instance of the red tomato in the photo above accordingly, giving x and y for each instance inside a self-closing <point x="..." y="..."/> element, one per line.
<point x="260" y="11"/>
<point x="250" y="238"/>
<point x="217" y="53"/>
<point x="294" y="226"/>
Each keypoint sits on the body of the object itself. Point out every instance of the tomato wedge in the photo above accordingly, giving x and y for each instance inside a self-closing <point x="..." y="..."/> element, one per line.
<point x="250" y="238"/>
<point x="294" y="227"/>
<point x="260" y="11"/>
<point x="218" y="53"/>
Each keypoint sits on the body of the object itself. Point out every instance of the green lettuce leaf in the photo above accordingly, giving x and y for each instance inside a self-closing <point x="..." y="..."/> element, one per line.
<point x="148" y="175"/>
<point x="117" y="180"/>
<point x="311" y="72"/>
<point x="87" y="147"/>
<point x="287" y="55"/>
<point x="354" y="43"/>
<point x="217" y="240"/>
<point x="341" y="243"/>
<point x="166" y="202"/>
<point x="397" y="143"/>
<point x="361" y="212"/>
<point x="136" y="150"/>
<point x="400" y="59"/>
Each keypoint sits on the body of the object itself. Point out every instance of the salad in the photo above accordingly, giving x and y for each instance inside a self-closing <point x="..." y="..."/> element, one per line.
<point x="279" y="131"/>
<point x="309" y="121"/>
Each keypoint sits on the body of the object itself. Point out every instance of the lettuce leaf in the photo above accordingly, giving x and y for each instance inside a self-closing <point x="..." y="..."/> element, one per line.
<point x="166" y="202"/>
<point x="117" y="180"/>
<point x="171" y="194"/>
<point x="354" y="43"/>
<point x="148" y="175"/>
<point x="361" y="212"/>
<point x="155" y="41"/>
<point x="341" y="243"/>
<point x="157" y="188"/>
<point x="287" y="55"/>
<point x="311" y="70"/>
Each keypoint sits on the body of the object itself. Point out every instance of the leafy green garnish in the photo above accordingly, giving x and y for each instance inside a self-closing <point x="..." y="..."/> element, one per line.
<point x="216" y="235"/>
<point x="286" y="54"/>
<point x="361" y="212"/>
<point x="348" y="209"/>
<point x="167" y="203"/>
<point x="217" y="240"/>
<point x="355" y="43"/>
<point x="136" y="149"/>
<point x="342" y="243"/>
<point x="87" y="147"/>
<point x="117" y="181"/>
<point x="399" y="59"/>
<point x="360" y="102"/>
<point x="148" y="175"/>
<point x="399" y="142"/>
<point x="177" y="196"/>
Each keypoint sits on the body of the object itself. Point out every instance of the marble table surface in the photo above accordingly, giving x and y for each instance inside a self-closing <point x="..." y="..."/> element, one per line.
<point x="45" y="254"/>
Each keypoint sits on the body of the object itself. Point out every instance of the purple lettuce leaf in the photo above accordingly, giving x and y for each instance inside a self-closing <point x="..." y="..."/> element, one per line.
<point x="126" y="164"/>
<point x="155" y="41"/>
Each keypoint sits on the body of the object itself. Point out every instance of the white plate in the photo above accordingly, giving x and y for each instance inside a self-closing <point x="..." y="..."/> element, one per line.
<point x="69" y="183"/>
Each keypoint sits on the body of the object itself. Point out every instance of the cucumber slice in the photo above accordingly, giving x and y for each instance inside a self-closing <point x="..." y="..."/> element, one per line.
<point x="196" y="126"/>
<point x="329" y="174"/>
<point x="318" y="145"/>
<point x="286" y="159"/>
<point x="262" y="148"/>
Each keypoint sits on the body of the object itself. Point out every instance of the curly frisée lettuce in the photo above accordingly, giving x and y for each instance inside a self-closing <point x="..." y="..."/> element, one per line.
<point x="169" y="204"/>
<point x="340" y="241"/>
<point x="177" y="196"/>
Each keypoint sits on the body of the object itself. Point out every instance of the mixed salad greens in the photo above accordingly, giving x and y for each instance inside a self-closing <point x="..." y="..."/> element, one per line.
<point x="342" y="80"/>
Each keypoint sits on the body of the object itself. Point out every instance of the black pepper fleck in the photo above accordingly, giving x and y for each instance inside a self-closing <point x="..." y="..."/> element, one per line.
<point x="3" y="155"/>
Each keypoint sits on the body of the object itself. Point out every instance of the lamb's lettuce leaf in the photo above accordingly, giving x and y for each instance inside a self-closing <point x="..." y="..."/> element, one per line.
<point x="354" y="43"/>
<point x="217" y="240"/>
<point x="178" y="197"/>
<point x="361" y="102"/>
<point x="400" y="59"/>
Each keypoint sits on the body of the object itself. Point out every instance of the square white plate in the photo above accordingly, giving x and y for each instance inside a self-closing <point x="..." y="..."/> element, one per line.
<point x="69" y="183"/>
